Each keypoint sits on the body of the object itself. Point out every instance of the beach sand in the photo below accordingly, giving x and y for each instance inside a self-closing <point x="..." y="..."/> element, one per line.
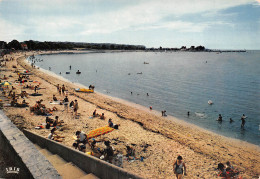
<point x="158" y="139"/>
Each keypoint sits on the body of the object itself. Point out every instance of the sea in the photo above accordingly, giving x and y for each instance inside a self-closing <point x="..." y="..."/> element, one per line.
<point x="178" y="82"/>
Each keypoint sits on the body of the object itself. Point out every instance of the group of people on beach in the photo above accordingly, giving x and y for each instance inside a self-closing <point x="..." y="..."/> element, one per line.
<point x="179" y="167"/>
<point x="227" y="171"/>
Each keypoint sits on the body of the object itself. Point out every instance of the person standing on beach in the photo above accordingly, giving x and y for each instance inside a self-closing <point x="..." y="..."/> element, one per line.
<point x="63" y="89"/>
<point x="35" y="89"/>
<point x="60" y="90"/>
<point x="178" y="168"/>
<point x="58" y="87"/>
<point x="76" y="107"/>
<point x="66" y="103"/>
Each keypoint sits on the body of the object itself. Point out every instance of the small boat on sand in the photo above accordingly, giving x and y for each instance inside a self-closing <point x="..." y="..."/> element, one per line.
<point x="84" y="90"/>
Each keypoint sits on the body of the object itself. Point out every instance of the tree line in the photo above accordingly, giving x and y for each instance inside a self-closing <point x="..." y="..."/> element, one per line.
<point x="48" y="45"/>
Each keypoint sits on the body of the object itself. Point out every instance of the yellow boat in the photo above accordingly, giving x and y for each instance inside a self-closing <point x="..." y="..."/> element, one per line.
<point x="84" y="90"/>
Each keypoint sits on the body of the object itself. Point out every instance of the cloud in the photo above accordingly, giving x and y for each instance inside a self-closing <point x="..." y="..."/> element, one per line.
<point x="9" y="31"/>
<point x="72" y="19"/>
<point x="149" y="14"/>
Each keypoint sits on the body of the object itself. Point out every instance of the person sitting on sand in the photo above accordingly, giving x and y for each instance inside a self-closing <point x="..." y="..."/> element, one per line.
<point x="48" y="125"/>
<point x="81" y="148"/>
<point x="178" y="167"/>
<point x="130" y="152"/>
<point x="53" y="136"/>
<point x="54" y="98"/>
<point x="71" y="104"/>
<point x="56" y="121"/>
<point x="230" y="171"/>
<point x="81" y="137"/>
<point x="94" y="113"/>
<point x="109" y="152"/>
<point x="110" y="123"/>
<point x="102" y="116"/>
<point x="49" y="120"/>
<point x="23" y="104"/>
<point x="219" y="117"/>
<point x="228" y="165"/>
<point x="222" y="170"/>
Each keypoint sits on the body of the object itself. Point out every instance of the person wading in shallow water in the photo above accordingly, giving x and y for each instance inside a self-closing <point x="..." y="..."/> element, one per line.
<point x="243" y="121"/>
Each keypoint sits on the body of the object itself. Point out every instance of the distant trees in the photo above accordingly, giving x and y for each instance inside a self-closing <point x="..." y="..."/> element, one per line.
<point x="47" y="45"/>
<point x="14" y="44"/>
<point x="36" y="45"/>
<point x="3" y="45"/>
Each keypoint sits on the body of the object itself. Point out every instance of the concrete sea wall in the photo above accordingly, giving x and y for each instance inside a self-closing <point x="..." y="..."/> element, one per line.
<point x="87" y="163"/>
<point x="22" y="154"/>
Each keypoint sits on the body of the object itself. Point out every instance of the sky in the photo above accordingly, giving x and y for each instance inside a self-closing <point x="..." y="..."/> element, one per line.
<point x="215" y="24"/>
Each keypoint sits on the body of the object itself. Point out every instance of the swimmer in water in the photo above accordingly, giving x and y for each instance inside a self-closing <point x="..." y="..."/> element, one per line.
<point x="219" y="117"/>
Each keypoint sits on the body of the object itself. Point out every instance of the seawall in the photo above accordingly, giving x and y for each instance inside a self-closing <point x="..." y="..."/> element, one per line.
<point x="85" y="162"/>
<point x="22" y="154"/>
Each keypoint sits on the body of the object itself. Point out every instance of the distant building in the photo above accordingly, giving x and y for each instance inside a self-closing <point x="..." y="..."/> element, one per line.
<point x="24" y="46"/>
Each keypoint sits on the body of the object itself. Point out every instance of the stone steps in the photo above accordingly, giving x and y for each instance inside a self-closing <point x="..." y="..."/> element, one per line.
<point x="66" y="169"/>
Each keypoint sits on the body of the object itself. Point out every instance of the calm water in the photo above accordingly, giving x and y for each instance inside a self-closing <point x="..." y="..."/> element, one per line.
<point x="176" y="82"/>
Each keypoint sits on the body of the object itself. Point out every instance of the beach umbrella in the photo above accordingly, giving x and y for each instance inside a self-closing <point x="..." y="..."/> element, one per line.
<point x="99" y="131"/>
<point x="6" y="83"/>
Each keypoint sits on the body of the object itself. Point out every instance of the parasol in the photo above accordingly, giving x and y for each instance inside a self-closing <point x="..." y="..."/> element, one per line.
<point x="6" y="83"/>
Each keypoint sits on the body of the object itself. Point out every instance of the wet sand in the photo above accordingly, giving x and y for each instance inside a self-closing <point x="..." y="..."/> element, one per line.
<point x="157" y="138"/>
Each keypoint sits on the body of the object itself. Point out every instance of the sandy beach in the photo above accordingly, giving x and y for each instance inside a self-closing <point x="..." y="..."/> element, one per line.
<point x="158" y="139"/>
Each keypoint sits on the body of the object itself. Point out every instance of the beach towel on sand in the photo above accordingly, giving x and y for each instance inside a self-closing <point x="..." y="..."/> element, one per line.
<point x="99" y="131"/>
